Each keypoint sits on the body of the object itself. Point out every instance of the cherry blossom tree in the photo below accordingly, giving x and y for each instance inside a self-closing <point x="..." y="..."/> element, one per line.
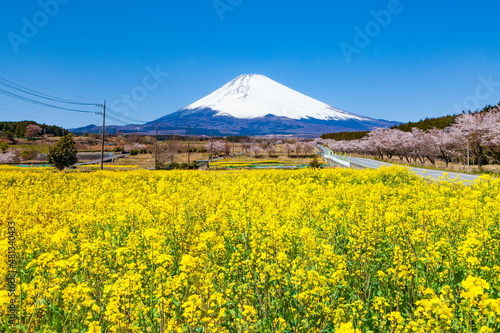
<point x="445" y="144"/>
<point x="216" y="147"/>
<point x="271" y="151"/>
<point x="298" y="148"/>
<point x="475" y="133"/>
<point x="255" y="149"/>
<point x="9" y="157"/>
<point x="478" y="133"/>
<point x="32" y="131"/>
<point x="308" y="148"/>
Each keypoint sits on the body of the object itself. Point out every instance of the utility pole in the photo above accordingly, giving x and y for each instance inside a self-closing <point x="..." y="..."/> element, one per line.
<point x="171" y="149"/>
<point x="156" y="146"/>
<point x="103" y="106"/>
<point x="468" y="157"/>
<point x="188" y="130"/>
<point x="227" y="148"/>
<point x="211" y="141"/>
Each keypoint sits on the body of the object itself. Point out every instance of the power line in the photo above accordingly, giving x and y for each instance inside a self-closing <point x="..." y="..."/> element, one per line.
<point x="33" y="101"/>
<point x="37" y="85"/>
<point x="116" y="119"/>
<point x="34" y="96"/>
<point x="28" y="115"/>
<point x="30" y="100"/>
<point x="35" y="93"/>
<point x="126" y="117"/>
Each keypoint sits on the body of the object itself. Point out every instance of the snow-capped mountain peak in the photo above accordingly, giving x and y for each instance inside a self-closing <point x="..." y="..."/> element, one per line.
<point x="254" y="95"/>
<point x="255" y="105"/>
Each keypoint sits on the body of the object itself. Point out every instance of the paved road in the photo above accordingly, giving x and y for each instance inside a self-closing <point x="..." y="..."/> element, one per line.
<point x="373" y="164"/>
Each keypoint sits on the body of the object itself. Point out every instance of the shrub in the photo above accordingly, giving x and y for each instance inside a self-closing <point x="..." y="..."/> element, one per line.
<point x="315" y="163"/>
<point x="3" y="147"/>
<point x="63" y="154"/>
<point x="27" y="155"/>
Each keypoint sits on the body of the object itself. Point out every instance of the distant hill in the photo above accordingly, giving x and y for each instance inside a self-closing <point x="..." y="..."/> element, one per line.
<point x="424" y="124"/>
<point x="439" y="122"/>
<point x="345" y="136"/>
<point x="428" y="123"/>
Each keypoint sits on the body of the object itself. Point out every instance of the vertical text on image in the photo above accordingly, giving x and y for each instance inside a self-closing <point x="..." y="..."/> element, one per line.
<point x="12" y="273"/>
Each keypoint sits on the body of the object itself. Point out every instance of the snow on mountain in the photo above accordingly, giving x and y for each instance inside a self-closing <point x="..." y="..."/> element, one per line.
<point x="254" y="105"/>
<point x="253" y="96"/>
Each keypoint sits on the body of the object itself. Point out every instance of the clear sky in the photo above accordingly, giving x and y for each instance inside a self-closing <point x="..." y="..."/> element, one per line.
<point x="397" y="60"/>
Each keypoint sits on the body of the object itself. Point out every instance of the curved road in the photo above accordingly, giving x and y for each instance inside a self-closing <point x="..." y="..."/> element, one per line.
<point x="373" y="164"/>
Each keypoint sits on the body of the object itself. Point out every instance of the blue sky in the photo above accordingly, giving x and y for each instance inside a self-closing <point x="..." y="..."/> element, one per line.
<point x="420" y="59"/>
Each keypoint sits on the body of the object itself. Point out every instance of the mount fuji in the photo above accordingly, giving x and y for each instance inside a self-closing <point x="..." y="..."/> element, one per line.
<point x="255" y="96"/>
<point x="254" y="104"/>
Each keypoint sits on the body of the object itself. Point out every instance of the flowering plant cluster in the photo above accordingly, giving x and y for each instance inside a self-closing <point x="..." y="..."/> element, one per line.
<point x="250" y="251"/>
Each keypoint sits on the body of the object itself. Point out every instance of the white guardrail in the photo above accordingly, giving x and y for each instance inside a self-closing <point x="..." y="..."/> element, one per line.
<point x="337" y="160"/>
<point x="328" y="154"/>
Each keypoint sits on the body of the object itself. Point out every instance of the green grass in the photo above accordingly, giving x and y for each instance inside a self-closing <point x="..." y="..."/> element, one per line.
<point x="44" y="149"/>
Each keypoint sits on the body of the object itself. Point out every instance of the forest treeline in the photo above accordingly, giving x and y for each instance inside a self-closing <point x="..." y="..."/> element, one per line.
<point x="18" y="128"/>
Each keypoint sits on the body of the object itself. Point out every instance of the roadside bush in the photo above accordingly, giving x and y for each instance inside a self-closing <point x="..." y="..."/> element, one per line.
<point x="180" y="166"/>
<point x="3" y="147"/>
<point x="315" y="163"/>
<point x="27" y="155"/>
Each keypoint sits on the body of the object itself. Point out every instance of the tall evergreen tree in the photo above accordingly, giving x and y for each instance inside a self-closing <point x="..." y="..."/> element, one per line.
<point x="63" y="154"/>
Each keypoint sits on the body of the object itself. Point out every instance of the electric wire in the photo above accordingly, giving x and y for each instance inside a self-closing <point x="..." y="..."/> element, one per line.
<point x="35" y="93"/>
<point x="29" y="100"/>
<point x="37" y="85"/>
<point x="116" y="119"/>
<point x="28" y="115"/>
<point x="117" y="114"/>
<point x="40" y="95"/>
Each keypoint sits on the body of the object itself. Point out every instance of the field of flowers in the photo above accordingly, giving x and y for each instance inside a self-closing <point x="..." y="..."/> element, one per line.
<point x="250" y="251"/>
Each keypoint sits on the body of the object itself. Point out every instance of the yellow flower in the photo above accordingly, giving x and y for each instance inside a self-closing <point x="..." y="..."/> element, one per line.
<point x="473" y="287"/>
<point x="347" y="328"/>
<point x="94" y="327"/>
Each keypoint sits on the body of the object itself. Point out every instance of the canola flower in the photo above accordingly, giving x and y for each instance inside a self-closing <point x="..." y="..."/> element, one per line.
<point x="251" y="251"/>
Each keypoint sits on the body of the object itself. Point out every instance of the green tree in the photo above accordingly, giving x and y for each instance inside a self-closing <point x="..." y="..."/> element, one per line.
<point x="63" y="154"/>
<point x="315" y="163"/>
<point x="3" y="147"/>
<point x="8" y="135"/>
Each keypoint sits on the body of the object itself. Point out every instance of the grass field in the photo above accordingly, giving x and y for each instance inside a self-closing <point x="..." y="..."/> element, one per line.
<point x="245" y="161"/>
<point x="250" y="251"/>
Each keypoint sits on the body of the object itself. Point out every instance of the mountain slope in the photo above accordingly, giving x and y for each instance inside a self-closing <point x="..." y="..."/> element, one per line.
<point x="256" y="105"/>
<point x="254" y="96"/>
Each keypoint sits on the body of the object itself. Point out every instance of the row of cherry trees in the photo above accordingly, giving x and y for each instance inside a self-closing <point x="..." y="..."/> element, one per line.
<point x="298" y="148"/>
<point x="476" y="133"/>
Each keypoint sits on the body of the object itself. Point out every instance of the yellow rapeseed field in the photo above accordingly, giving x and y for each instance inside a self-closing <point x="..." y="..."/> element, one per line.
<point x="250" y="251"/>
